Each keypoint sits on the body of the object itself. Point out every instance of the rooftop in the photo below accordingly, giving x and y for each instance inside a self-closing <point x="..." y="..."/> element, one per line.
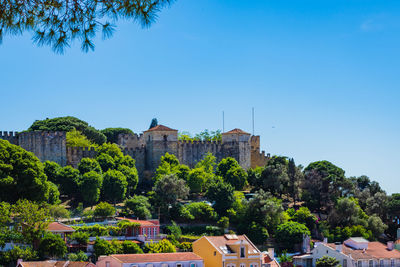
<point x="59" y="227"/>
<point x="53" y="264"/>
<point x="160" y="128"/>
<point x="157" y="257"/>
<point x="222" y="243"/>
<point x="236" y="131"/>
<point x="141" y="222"/>
<point x="375" y="250"/>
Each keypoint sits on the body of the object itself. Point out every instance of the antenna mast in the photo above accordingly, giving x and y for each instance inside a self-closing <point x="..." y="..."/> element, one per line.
<point x="223" y="121"/>
<point x="252" y="113"/>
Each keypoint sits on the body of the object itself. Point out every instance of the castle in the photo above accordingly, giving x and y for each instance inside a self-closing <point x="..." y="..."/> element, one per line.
<point x="146" y="148"/>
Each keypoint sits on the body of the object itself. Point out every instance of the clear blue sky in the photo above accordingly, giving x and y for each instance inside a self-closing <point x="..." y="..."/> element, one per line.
<point x="323" y="77"/>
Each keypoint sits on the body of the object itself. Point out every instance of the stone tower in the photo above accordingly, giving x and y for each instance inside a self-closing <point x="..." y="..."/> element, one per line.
<point x="236" y="144"/>
<point x="159" y="140"/>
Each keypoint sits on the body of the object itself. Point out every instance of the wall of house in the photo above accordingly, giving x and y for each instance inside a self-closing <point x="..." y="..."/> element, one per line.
<point x="102" y="262"/>
<point x="212" y="257"/>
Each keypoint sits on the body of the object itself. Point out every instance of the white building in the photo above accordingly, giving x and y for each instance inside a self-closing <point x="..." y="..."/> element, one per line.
<point x="354" y="252"/>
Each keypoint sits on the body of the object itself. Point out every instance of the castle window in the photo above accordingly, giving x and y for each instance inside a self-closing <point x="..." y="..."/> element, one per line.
<point x="165" y="138"/>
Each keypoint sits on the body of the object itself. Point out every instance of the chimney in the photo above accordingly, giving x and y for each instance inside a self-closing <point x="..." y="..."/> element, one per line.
<point x="271" y="253"/>
<point x="338" y="246"/>
<point x="325" y="240"/>
<point x="390" y="245"/>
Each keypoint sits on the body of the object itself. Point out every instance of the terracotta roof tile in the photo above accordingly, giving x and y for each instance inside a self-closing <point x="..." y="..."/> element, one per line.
<point x="376" y="250"/>
<point x="160" y="128"/>
<point x="221" y="241"/>
<point x="236" y="131"/>
<point x="157" y="257"/>
<point x="53" y="263"/>
<point x="59" y="227"/>
<point x="141" y="222"/>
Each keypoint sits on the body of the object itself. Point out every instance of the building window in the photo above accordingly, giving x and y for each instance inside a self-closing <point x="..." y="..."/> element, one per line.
<point x="344" y="263"/>
<point x="242" y="265"/>
<point x="215" y="253"/>
<point x="391" y="262"/>
<point x="178" y="265"/>
<point x="242" y="252"/>
<point x="308" y="262"/>
<point x="155" y="231"/>
<point x="371" y="263"/>
<point x="165" y="138"/>
<point x="107" y="264"/>
<point x="193" y="265"/>
<point x="149" y="265"/>
<point x="164" y="265"/>
<point x="359" y="264"/>
<point x="381" y="263"/>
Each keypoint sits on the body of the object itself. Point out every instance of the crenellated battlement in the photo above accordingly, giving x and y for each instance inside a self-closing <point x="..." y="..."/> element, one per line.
<point x="7" y="134"/>
<point x="146" y="148"/>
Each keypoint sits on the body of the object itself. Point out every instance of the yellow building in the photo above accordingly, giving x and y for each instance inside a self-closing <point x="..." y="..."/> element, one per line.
<point x="227" y="251"/>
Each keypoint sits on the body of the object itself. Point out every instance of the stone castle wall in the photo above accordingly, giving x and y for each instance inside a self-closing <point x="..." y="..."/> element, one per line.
<point x="190" y="153"/>
<point x="146" y="148"/>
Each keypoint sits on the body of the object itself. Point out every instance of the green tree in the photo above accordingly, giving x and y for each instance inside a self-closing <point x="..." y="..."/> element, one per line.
<point x="112" y="150"/>
<point x="223" y="223"/>
<point x="90" y="187"/>
<point x="54" y="194"/>
<point x="200" y="211"/>
<point x="21" y="175"/>
<point x="77" y="139"/>
<point x="323" y="185"/>
<point x="81" y="238"/>
<point x="5" y="213"/>
<point x="10" y="257"/>
<point x="347" y="212"/>
<point x="51" y="169"/>
<point x="164" y="246"/>
<point x="291" y="233"/>
<point x="303" y="215"/>
<point x="208" y="163"/>
<point x="138" y="206"/>
<point x="169" y="164"/>
<point x="256" y="232"/>
<point x="170" y="188"/>
<point x="69" y="179"/>
<point x="67" y="124"/>
<point x="32" y="218"/>
<point x="52" y="245"/>
<point x="129" y="247"/>
<point x="237" y="177"/>
<point x="327" y="261"/>
<point x="377" y="204"/>
<point x="132" y="177"/>
<point x="113" y="133"/>
<point x="103" y="210"/>
<point x="102" y="247"/>
<point x="106" y="162"/>
<point x="114" y="186"/>
<point x="254" y="177"/>
<point x="196" y="180"/>
<point x="265" y="210"/>
<point x="154" y="123"/>
<point x="58" y="212"/>
<point x="221" y="194"/>
<point x="274" y="177"/>
<point x="80" y="256"/>
<point x="295" y="179"/>
<point x="175" y="230"/>
<point x="88" y="165"/>
<point x="376" y="226"/>
<point x="284" y="257"/>
<point x="225" y="165"/>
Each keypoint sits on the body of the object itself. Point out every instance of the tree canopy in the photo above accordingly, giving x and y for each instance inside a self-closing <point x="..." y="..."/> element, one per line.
<point x="58" y="23"/>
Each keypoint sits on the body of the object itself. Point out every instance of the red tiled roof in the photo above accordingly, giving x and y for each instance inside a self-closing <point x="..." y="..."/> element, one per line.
<point x="59" y="227"/>
<point x="221" y="241"/>
<point x="236" y="131"/>
<point x="375" y="250"/>
<point x="54" y="264"/>
<point x="157" y="257"/>
<point x="141" y="222"/>
<point x="160" y="128"/>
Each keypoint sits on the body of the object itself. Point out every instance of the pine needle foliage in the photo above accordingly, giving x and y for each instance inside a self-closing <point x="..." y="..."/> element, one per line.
<point x="56" y="23"/>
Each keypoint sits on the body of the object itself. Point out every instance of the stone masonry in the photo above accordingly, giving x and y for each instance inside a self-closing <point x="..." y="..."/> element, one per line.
<point x="146" y="148"/>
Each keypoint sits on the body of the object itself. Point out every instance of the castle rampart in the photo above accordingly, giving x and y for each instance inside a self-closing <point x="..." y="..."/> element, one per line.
<point x="146" y="148"/>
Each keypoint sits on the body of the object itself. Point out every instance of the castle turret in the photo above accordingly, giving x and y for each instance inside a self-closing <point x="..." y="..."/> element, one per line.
<point x="236" y="144"/>
<point x="159" y="140"/>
